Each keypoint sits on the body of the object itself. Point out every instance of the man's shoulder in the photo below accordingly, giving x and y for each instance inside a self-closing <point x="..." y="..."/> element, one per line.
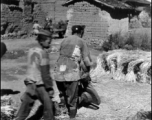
<point x="36" y="50"/>
<point x="73" y="37"/>
<point x="42" y="54"/>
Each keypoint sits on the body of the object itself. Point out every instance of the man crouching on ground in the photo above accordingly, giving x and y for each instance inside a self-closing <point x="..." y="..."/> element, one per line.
<point x="39" y="83"/>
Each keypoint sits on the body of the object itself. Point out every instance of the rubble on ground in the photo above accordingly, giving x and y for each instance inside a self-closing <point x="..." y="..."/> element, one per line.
<point x="7" y="108"/>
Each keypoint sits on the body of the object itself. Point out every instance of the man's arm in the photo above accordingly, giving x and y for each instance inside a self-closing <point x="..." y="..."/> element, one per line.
<point x="87" y="57"/>
<point x="45" y="72"/>
<point x="85" y="53"/>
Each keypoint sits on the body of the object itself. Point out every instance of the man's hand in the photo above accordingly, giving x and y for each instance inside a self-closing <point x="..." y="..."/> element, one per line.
<point x="85" y="75"/>
<point x="51" y="93"/>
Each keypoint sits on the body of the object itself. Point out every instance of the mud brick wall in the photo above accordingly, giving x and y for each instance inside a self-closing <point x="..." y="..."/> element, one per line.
<point x="10" y="15"/>
<point x="54" y="9"/>
<point x="39" y="14"/>
<point x="4" y="13"/>
<point x="27" y="19"/>
<point x="21" y="19"/>
<point x="96" y="31"/>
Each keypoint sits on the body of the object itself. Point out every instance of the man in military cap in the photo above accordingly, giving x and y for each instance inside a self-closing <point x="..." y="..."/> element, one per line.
<point x="73" y="51"/>
<point x="38" y="81"/>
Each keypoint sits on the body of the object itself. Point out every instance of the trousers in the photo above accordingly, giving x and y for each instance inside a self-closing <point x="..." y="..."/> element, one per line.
<point x="74" y="91"/>
<point x="33" y="93"/>
<point x="70" y="93"/>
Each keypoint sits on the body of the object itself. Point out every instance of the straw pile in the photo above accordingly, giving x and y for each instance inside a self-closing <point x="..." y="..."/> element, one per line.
<point x="132" y="66"/>
<point x="141" y="115"/>
<point x="7" y="108"/>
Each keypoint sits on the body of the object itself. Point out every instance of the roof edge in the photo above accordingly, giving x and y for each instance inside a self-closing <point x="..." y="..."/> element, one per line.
<point x="68" y="2"/>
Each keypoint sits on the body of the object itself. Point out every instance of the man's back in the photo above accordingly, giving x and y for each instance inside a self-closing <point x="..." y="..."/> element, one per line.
<point x="36" y="26"/>
<point x="71" y="45"/>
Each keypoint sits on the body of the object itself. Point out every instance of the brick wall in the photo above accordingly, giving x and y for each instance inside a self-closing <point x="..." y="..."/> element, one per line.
<point x="11" y="15"/>
<point x="27" y="20"/>
<point x="54" y="9"/>
<point x="96" y="30"/>
<point x="39" y="14"/>
<point x="99" y="23"/>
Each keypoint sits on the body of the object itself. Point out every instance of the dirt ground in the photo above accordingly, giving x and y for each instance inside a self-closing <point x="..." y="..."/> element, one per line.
<point x="119" y="99"/>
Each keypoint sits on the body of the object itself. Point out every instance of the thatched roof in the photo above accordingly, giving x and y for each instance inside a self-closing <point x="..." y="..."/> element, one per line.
<point x="109" y="3"/>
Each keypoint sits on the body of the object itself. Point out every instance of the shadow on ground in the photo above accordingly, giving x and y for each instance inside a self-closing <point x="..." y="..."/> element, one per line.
<point x="8" y="92"/>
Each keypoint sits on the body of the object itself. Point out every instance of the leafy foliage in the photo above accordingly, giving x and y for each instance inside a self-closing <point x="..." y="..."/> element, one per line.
<point x="128" y="42"/>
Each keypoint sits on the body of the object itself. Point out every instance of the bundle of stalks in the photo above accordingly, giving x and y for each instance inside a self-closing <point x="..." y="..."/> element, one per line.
<point x="100" y="68"/>
<point x="141" y="115"/>
<point x="122" y="65"/>
<point x="7" y="108"/>
<point x="131" y="76"/>
<point x="121" y="69"/>
<point x="119" y="75"/>
<point x="143" y="74"/>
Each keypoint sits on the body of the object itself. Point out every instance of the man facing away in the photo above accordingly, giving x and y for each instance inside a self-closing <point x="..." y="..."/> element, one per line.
<point x="36" y="27"/>
<point x="73" y="50"/>
<point x="38" y="82"/>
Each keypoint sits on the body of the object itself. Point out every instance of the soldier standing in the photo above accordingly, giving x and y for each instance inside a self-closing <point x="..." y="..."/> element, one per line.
<point x="73" y="50"/>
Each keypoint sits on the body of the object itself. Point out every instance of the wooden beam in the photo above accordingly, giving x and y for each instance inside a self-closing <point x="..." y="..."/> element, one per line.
<point x="105" y="4"/>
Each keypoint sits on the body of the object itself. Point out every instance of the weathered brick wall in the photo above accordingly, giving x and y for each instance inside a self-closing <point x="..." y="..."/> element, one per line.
<point x="86" y="14"/>
<point x="27" y="19"/>
<point x="11" y="15"/>
<point x="99" y="23"/>
<point x="4" y="13"/>
<point x="39" y="14"/>
<point x="16" y="18"/>
<point x="54" y="9"/>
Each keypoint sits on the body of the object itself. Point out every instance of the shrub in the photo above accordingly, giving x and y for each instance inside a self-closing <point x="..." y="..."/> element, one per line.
<point x="8" y="108"/>
<point x="146" y="44"/>
<point x="128" y="42"/>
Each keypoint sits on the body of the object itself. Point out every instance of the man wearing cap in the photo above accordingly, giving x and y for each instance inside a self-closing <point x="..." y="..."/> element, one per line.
<point x="36" y="27"/>
<point x="73" y="50"/>
<point x="38" y="81"/>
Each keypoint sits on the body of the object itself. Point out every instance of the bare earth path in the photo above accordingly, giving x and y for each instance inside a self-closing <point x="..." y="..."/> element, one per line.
<point x="119" y="99"/>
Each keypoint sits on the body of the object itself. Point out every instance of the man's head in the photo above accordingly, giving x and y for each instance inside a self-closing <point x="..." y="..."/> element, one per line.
<point x="36" y="21"/>
<point x="78" y="30"/>
<point x="44" y="38"/>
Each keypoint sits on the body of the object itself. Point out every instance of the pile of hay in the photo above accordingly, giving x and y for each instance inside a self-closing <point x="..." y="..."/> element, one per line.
<point x="7" y="108"/>
<point x="141" y="115"/>
<point x="132" y="66"/>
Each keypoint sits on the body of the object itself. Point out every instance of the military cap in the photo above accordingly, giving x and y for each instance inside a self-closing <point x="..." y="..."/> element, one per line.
<point x="45" y="33"/>
<point x="77" y="28"/>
